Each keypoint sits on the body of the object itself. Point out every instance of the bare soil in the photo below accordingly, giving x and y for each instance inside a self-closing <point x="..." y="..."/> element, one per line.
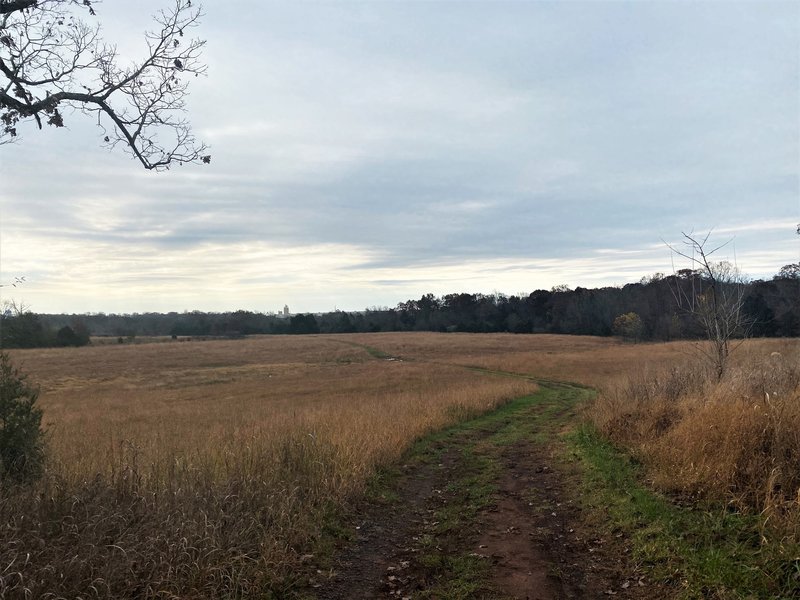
<point x="531" y="534"/>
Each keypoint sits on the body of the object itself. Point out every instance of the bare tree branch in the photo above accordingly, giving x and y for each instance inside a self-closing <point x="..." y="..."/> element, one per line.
<point x="51" y="58"/>
<point x="716" y="303"/>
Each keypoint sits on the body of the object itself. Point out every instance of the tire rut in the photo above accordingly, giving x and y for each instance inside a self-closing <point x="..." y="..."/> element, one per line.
<point x="377" y="563"/>
<point x="529" y="536"/>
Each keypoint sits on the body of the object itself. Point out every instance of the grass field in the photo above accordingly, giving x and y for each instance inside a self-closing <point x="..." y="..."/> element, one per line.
<point x="210" y="469"/>
<point x="202" y="399"/>
<point x="182" y="399"/>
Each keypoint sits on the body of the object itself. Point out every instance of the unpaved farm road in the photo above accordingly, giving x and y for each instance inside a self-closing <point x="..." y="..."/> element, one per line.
<point x="487" y="509"/>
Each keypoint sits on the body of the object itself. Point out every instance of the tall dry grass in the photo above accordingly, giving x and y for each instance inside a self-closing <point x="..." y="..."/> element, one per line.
<point x="206" y="470"/>
<point x="734" y="441"/>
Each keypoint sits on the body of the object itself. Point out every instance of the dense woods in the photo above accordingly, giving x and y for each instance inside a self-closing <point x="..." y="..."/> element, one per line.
<point x="647" y="310"/>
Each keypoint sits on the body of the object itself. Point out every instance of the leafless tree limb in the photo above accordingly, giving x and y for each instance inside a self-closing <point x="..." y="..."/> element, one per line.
<point x="51" y="58"/>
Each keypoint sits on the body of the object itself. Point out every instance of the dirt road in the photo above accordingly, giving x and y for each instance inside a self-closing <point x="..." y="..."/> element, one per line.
<point x="487" y="509"/>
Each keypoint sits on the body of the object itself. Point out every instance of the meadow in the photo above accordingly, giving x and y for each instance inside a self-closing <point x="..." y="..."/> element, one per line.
<point x="212" y="469"/>
<point x="208" y="468"/>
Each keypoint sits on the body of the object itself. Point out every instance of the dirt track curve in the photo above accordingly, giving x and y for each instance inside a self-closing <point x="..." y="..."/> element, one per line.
<point x="487" y="510"/>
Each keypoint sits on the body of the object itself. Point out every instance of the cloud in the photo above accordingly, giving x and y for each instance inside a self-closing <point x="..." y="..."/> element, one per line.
<point x="364" y="153"/>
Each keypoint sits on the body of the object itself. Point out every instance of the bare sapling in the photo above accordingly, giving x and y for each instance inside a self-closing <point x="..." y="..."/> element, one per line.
<point x="714" y="298"/>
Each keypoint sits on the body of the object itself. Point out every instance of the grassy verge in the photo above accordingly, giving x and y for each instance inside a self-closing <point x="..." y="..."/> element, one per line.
<point x="711" y="553"/>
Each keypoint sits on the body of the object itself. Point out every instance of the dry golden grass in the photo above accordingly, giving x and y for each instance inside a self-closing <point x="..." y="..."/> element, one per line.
<point x="206" y="469"/>
<point x="182" y="398"/>
<point x="734" y="441"/>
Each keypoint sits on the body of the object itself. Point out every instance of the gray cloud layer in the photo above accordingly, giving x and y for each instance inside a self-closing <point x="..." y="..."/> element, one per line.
<point x="368" y="152"/>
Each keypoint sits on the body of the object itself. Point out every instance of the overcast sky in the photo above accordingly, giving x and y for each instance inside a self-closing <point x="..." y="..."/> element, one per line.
<point x="365" y="153"/>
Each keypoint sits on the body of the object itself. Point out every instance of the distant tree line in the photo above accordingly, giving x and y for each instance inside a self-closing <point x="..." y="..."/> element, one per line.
<point x="647" y="310"/>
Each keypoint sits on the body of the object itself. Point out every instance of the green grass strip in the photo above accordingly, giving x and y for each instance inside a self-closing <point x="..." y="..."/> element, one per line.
<point x="709" y="553"/>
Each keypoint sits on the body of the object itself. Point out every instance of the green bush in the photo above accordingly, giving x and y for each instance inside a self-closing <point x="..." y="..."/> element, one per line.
<point x="21" y="434"/>
<point x="629" y="326"/>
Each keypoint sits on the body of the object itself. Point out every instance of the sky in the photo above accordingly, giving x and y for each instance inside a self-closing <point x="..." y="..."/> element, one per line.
<point x="367" y="153"/>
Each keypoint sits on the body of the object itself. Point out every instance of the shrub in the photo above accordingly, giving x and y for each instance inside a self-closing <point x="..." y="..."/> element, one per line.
<point x="77" y="335"/>
<point x="21" y="434"/>
<point x="66" y="337"/>
<point x="629" y="326"/>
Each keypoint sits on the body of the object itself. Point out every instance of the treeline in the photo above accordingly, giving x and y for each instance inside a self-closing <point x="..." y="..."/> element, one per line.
<point x="770" y="308"/>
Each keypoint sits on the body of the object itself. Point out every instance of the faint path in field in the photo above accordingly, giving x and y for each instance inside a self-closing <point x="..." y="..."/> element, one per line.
<point x="529" y="536"/>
